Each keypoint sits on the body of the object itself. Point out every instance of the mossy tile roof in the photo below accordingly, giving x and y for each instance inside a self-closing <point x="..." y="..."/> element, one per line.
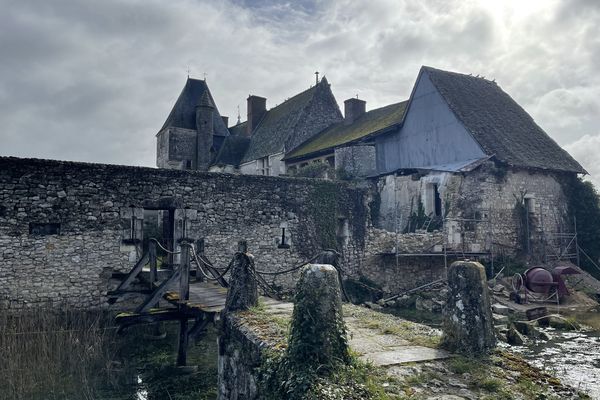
<point x="338" y="134"/>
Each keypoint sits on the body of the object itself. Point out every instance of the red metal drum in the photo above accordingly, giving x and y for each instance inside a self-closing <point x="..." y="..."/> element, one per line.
<point x="539" y="280"/>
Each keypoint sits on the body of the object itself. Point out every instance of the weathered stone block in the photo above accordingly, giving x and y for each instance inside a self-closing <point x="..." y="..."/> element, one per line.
<point x="468" y="324"/>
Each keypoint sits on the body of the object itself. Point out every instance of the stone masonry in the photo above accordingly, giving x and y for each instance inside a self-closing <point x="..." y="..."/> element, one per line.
<point x="64" y="226"/>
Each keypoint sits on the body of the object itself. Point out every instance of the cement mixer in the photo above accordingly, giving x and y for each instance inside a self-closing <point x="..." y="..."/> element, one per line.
<point x="541" y="284"/>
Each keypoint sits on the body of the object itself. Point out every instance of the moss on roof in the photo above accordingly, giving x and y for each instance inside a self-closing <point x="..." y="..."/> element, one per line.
<point x="340" y="133"/>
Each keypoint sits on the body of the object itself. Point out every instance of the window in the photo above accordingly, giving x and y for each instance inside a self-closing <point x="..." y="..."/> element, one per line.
<point x="264" y="166"/>
<point x="433" y="200"/>
<point x="44" y="229"/>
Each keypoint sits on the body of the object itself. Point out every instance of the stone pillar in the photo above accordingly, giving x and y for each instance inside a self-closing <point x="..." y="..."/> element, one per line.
<point x="317" y="333"/>
<point x="468" y="324"/>
<point x="243" y="290"/>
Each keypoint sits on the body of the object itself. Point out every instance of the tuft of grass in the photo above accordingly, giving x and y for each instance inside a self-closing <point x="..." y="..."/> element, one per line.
<point x="492" y="385"/>
<point x="461" y="365"/>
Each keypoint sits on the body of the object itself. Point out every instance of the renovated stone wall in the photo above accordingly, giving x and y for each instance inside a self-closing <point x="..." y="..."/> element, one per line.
<point x="487" y="196"/>
<point x="66" y="227"/>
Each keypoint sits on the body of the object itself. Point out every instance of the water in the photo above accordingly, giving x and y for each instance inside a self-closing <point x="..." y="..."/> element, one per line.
<point x="574" y="357"/>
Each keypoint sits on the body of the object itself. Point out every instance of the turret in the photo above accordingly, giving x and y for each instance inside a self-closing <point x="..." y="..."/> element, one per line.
<point x="204" y="132"/>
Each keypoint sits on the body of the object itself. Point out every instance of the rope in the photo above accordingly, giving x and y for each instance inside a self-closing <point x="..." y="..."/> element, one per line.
<point x="295" y="268"/>
<point x="162" y="247"/>
<point x="214" y="278"/>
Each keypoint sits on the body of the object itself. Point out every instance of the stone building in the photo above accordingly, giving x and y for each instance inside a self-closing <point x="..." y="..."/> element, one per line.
<point x="468" y="157"/>
<point x="196" y="137"/>
<point x="348" y="145"/>
<point x="193" y="132"/>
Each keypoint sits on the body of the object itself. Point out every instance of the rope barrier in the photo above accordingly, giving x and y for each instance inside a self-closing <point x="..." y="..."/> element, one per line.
<point x="214" y="278"/>
<point x="162" y="247"/>
<point x="297" y="267"/>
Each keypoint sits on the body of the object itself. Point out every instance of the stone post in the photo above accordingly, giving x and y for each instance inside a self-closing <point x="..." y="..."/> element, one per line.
<point x="243" y="290"/>
<point x="468" y="324"/>
<point x="317" y="333"/>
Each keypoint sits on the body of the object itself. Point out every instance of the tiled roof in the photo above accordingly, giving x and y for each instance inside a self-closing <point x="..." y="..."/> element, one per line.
<point x="232" y="150"/>
<point x="500" y="125"/>
<point x="369" y="123"/>
<point x="278" y="125"/>
<point x="183" y="114"/>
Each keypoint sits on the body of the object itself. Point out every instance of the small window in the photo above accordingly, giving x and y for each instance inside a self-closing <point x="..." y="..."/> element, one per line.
<point x="188" y="164"/>
<point x="44" y="229"/>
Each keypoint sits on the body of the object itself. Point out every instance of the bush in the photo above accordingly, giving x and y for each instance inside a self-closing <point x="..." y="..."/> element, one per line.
<point x="314" y="170"/>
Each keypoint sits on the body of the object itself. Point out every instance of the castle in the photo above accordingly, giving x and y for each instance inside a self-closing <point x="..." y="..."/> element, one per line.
<point x="457" y="170"/>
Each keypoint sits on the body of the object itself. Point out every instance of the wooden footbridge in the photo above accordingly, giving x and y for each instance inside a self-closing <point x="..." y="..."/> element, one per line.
<point x="176" y="297"/>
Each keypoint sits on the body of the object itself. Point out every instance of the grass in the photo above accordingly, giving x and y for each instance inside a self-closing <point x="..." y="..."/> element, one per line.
<point x="78" y="355"/>
<point x="414" y="333"/>
<point x="53" y="356"/>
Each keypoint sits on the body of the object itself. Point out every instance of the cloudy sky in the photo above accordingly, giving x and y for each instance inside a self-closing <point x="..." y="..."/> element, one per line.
<point x="94" y="80"/>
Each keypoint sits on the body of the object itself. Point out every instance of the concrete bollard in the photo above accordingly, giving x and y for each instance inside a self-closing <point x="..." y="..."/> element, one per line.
<point x="318" y="332"/>
<point x="243" y="290"/>
<point x="468" y="325"/>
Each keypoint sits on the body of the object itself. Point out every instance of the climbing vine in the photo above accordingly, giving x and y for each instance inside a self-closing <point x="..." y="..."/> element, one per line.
<point x="323" y="207"/>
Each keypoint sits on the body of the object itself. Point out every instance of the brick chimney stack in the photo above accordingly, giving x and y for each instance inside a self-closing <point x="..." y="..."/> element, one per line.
<point x="353" y="108"/>
<point x="257" y="107"/>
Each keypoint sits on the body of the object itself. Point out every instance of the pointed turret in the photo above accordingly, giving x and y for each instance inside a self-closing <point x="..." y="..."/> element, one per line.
<point x="204" y="132"/>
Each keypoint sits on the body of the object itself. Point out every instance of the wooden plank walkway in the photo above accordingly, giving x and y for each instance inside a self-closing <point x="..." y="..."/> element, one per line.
<point x="207" y="297"/>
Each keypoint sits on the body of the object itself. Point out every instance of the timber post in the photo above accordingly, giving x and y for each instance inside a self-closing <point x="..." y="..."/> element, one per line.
<point x="184" y="295"/>
<point x="200" y="254"/>
<point x="184" y="276"/>
<point x="153" y="263"/>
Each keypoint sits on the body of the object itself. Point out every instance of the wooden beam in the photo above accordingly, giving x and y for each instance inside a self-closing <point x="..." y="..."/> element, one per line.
<point x="157" y="294"/>
<point x="183" y="343"/>
<point x="132" y="274"/>
<point x="125" y="320"/>
<point x="184" y="276"/>
<point x="153" y="263"/>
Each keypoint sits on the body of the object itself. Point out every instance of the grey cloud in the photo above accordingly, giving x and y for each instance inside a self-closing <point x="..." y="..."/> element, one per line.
<point x="94" y="81"/>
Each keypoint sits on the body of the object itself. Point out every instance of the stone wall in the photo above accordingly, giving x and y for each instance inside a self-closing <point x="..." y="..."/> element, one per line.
<point x="486" y="196"/>
<point x="92" y="206"/>
<point x="379" y="265"/>
<point x="240" y="354"/>
<point x="176" y="147"/>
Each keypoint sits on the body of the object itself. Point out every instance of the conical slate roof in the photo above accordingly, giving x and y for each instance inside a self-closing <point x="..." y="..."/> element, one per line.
<point x="183" y="114"/>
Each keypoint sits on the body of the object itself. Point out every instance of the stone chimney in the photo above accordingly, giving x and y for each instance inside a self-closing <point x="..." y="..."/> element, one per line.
<point x="204" y="133"/>
<point x="225" y="121"/>
<point x="257" y="107"/>
<point x="353" y="108"/>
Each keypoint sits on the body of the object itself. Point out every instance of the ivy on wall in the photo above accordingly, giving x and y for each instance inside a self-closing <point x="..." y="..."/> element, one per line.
<point x="584" y="205"/>
<point x="324" y="209"/>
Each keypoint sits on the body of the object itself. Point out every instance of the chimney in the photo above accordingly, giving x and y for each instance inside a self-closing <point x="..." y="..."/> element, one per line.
<point x="225" y="121"/>
<point x="353" y="108"/>
<point x="257" y="106"/>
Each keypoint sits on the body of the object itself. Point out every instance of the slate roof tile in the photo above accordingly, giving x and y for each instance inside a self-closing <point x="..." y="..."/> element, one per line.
<point x="499" y="124"/>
